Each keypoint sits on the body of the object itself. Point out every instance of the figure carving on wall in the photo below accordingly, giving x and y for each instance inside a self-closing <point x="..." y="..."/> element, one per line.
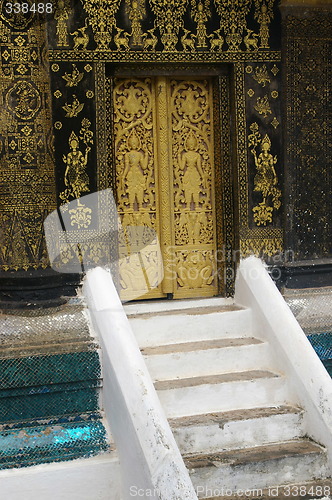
<point x="188" y="41"/>
<point x="136" y="12"/>
<point x="81" y="39"/>
<point x="201" y="16"/>
<point x="150" y="40"/>
<point x="121" y="39"/>
<point x="265" y="179"/>
<point x="74" y="78"/>
<point x="76" y="179"/>
<point x="190" y="162"/>
<point x="250" y="40"/>
<point x="73" y="109"/>
<point x="216" y="40"/>
<point x="61" y="16"/>
<point x="136" y="161"/>
<point x="264" y="19"/>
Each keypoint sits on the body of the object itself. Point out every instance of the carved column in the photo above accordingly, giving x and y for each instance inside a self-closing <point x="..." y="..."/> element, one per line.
<point x="307" y="65"/>
<point x="28" y="190"/>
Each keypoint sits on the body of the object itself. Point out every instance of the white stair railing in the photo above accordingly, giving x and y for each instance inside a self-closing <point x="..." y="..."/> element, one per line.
<point x="151" y="464"/>
<point x="274" y="321"/>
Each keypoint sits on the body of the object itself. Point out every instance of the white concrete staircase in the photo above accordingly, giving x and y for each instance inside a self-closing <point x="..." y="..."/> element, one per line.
<point x="237" y="422"/>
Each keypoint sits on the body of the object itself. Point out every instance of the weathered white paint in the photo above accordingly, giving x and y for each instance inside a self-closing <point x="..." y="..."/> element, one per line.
<point x="209" y="361"/>
<point x="150" y="459"/>
<point x="186" y="326"/>
<point x="274" y="321"/>
<point x="213" y="436"/>
<point x="209" y="398"/>
<point x="96" y="478"/>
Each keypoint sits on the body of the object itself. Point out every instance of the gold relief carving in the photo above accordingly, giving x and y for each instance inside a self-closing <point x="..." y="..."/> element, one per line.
<point x="169" y="20"/>
<point x="193" y="194"/>
<point x="61" y="15"/>
<point x="275" y="123"/>
<point x="261" y="246"/>
<point x="263" y="106"/>
<point x="251" y="92"/>
<point x="150" y="40"/>
<point x="188" y="40"/>
<point x="264" y="15"/>
<point x="58" y="125"/>
<point x="216" y="40"/>
<point x="164" y="181"/>
<point x="57" y="94"/>
<point x="136" y="13"/>
<point x="101" y="16"/>
<point x="73" y="109"/>
<point x="55" y="67"/>
<point x="90" y="94"/>
<point x="201" y="13"/>
<point x="81" y="38"/>
<point x="75" y="178"/>
<point x="136" y="183"/>
<point x="250" y="40"/>
<point x="274" y="94"/>
<point x="134" y="144"/>
<point x="233" y="21"/>
<point x="261" y="75"/>
<point x="80" y="216"/>
<point x="265" y="180"/>
<point x="194" y="270"/>
<point x="73" y="78"/>
<point x="121" y="39"/>
<point x="23" y="100"/>
<point x="275" y="70"/>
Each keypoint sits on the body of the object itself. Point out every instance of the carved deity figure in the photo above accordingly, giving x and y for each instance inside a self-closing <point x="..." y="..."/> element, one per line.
<point x="76" y="179"/>
<point x="191" y="163"/>
<point x="264" y="21"/>
<point x="61" y="16"/>
<point x="201" y="18"/>
<point x="266" y="179"/>
<point x="136" y="162"/>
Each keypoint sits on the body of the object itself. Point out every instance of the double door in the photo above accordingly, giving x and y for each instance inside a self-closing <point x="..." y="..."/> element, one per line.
<point x="164" y="163"/>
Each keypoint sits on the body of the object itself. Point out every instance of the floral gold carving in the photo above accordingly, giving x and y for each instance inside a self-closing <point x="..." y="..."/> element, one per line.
<point x="263" y="106"/>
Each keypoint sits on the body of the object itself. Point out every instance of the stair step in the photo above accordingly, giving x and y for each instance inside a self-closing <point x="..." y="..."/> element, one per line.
<point x="190" y="325"/>
<point x="237" y="429"/>
<point x="227" y="391"/>
<point x="257" y="467"/>
<point x="305" y="490"/>
<point x="199" y="345"/>
<point x="214" y="379"/>
<point x="206" y="357"/>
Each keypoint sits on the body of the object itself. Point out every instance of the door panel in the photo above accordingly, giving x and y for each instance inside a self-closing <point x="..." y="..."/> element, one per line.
<point x="163" y="129"/>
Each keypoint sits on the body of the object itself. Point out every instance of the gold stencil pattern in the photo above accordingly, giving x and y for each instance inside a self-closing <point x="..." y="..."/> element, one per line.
<point x="27" y="164"/>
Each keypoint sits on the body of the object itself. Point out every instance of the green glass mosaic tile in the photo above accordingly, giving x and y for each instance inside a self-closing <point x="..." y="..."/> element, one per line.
<point x="48" y="405"/>
<point x="322" y="343"/>
<point x="49" y="369"/>
<point x="26" y="445"/>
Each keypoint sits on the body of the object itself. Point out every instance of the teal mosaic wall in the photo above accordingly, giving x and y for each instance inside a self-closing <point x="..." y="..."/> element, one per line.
<point x="49" y="385"/>
<point x="322" y="343"/>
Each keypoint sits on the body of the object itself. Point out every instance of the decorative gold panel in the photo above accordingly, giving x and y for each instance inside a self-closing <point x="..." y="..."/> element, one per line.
<point x="193" y="193"/>
<point x="137" y="183"/>
<point x="163" y="131"/>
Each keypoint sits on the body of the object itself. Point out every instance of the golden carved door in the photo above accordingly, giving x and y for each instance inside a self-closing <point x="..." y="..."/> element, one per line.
<point x="163" y="138"/>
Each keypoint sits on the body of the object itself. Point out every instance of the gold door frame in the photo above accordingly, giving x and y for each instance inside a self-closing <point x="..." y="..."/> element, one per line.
<point x="223" y="174"/>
